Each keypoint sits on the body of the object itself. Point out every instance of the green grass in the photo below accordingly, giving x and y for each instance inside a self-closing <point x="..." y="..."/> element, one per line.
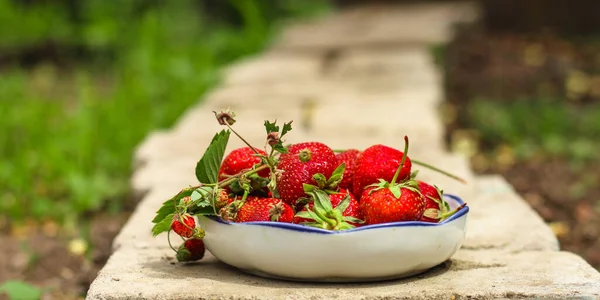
<point x="67" y="133"/>
<point x="536" y="127"/>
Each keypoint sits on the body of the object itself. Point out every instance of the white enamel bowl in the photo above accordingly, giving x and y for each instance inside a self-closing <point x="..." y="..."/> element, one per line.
<point x="368" y="253"/>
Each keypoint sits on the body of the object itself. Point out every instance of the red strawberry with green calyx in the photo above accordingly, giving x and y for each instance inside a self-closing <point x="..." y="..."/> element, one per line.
<point x="386" y="202"/>
<point x="191" y="250"/>
<point x="379" y="162"/>
<point x="240" y="160"/>
<point x="243" y="160"/>
<point x="435" y="206"/>
<point x="348" y="157"/>
<point x="323" y="213"/>
<point x="335" y="199"/>
<point x="299" y="166"/>
<point x="265" y="209"/>
<point x="184" y="225"/>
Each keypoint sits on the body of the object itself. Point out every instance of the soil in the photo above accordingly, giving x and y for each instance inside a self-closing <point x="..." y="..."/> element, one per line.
<point x="40" y="256"/>
<point x="504" y="67"/>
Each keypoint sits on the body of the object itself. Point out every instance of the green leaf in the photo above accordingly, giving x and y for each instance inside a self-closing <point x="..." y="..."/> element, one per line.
<point x="353" y="219"/>
<point x="413" y="175"/>
<point x="166" y="209"/>
<point x="163" y="226"/>
<point x="19" y="290"/>
<point x="271" y="127"/>
<point x="287" y="127"/>
<point x="304" y="214"/>
<point x="207" y="168"/>
<point x="314" y="216"/>
<point x="196" y="195"/>
<point x="336" y="176"/>
<point x="320" y="179"/>
<point x="322" y="201"/>
<point x="280" y="148"/>
<point x="396" y="191"/>
<point x="308" y="187"/>
<point x="344" y="204"/>
<point x="207" y="210"/>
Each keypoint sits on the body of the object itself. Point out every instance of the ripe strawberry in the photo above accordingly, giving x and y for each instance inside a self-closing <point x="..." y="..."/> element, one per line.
<point x="191" y="250"/>
<point x="336" y="199"/>
<point x="392" y="202"/>
<point x="323" y="213"/>
<point x="299" y="165"/>
<point x="382" y="206"/>
<point x="435" y="206"/>
<point x="239" y="160"/>
<point x="265" y="209"/>
<point x="375" y="163"/>
<point x="349" y="158"/>
<point x="183" y="225"/>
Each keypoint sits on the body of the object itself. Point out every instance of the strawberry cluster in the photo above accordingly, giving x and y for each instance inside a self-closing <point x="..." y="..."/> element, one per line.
<point x="306" y="183"/>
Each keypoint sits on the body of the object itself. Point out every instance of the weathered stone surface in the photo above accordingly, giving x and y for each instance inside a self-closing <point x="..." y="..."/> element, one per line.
<point x="416" y="120"/>
<point x="268" y="69"/>
<point x="412" y="66"/>
<point x="136" y="273"/>
<point x="377" y="26"/>
<point x="500" y="219"/>
<point x="137" y="231"/>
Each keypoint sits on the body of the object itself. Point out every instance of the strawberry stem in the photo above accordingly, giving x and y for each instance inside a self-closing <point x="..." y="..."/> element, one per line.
<point x="452" y="212"/>
<point x="438" y="170"/>
<point x="231" y="179"/>
<point x="169" y="240"/>
<point x="404" y="155"/>
<point x="339" y="150"/>
<point x="241" y="138"/>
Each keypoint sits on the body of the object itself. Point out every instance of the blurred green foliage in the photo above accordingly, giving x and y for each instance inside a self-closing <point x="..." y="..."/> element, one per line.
<point x="68" y="126"/>
<point x="539" y="127"/>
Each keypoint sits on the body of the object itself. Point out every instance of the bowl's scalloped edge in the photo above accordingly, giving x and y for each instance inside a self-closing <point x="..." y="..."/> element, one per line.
<point x="301" y="228"/>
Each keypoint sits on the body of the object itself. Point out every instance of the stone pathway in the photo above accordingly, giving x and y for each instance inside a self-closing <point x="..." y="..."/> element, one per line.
<point x="354" y="79"/>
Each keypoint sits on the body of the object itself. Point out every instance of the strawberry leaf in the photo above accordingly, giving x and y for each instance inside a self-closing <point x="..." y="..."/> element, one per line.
<point x="337" y="176"/>
<point x="353" y="220"/>
<point x="322" y="201"/>
<point x="271" y="127"/>
<point x="313" y="216"/>
<point x="196" y="195"/>
<point x="320" y="179"/>
<point x="204" y="210"/>
<point x="344" y="204"/>
<point x="163" y="226"/>
<point x="396" y="191"/>
<point x="287" y="127"/>
<point x="207" y="168"/>
<point x="168" y="207"/>
<point x="309" y="187"/>
<point x="280" y="148"/>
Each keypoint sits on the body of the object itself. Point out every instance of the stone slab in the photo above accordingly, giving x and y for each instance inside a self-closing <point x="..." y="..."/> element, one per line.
<point x="151" y="274"/>
<point x="299" y="94"/>
<point x="501" y="219"/>
<point x="377" y="26"/>
<point x="417" y="120"/>
<point x="411" y="66"/>
<point x="271" y="68"/>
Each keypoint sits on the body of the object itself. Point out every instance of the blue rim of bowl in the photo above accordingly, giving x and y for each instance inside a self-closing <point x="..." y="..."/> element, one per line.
<point x="302" y="228"/>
